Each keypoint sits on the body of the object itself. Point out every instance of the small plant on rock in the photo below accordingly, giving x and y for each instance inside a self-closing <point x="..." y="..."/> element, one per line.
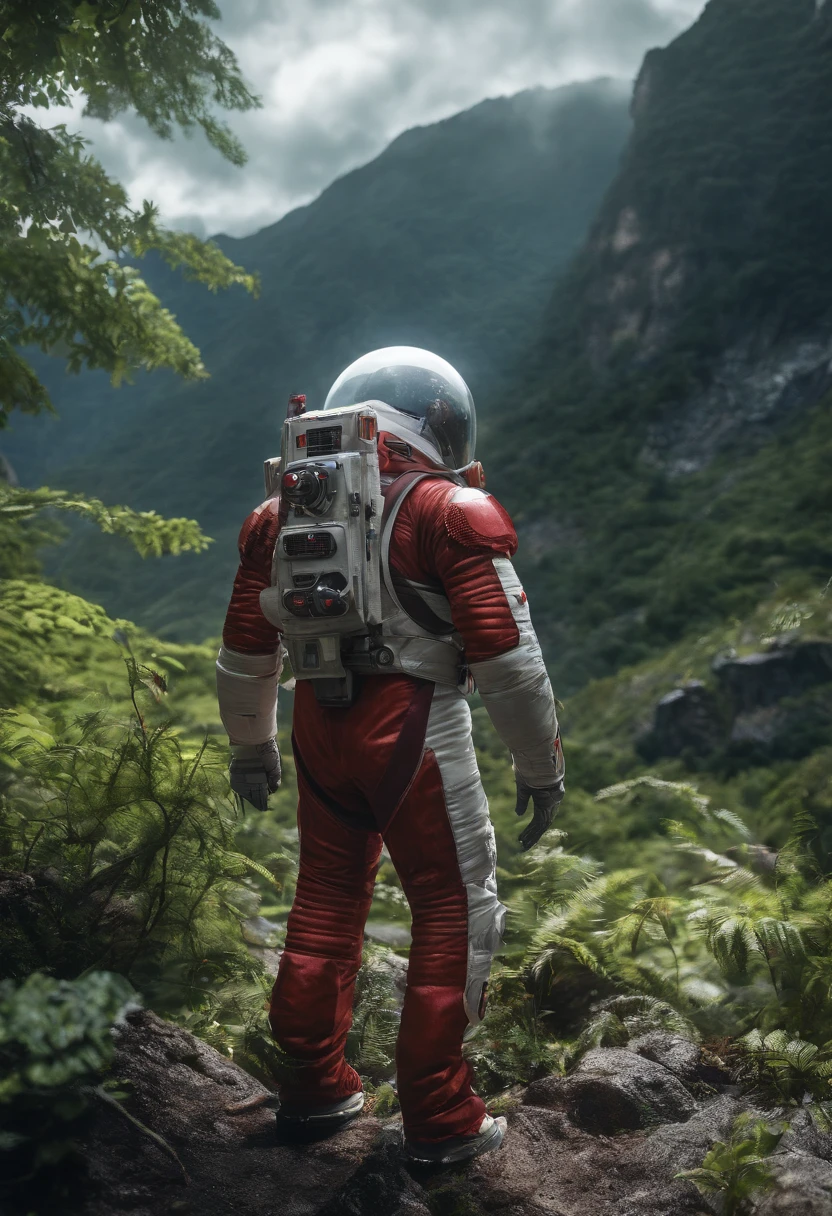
<point x="789" y="1072"/>
<point x="737" y="1169"/>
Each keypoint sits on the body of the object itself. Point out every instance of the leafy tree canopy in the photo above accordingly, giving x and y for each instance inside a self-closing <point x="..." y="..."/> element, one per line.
<point x="68" y="235"/>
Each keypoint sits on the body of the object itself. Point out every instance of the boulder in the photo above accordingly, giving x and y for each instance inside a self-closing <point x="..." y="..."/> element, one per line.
<point x="789" y="730"/>
<point x="758" y="680"/>
<point x="215" y="1118"/>
<point x="682" y="1146"/>
<point x="805" y="1136"/>
<point x="679" y="1055"/>
<point x="802" y="1187"/>
<point x="614" y="1090"/>
<point x="689" y="719"/>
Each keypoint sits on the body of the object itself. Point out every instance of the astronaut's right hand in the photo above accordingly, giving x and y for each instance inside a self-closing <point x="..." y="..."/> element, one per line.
<point x="255" y="772"/>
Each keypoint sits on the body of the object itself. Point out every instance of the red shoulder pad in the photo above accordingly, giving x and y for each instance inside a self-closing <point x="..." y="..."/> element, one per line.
<point x="259" y="532"/>
<point x="477" y="521"/>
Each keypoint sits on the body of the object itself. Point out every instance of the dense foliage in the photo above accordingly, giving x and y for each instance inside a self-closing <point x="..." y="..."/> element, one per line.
<point x="69" y="239"/>
<point x="55" y="1045"/>
<point x="59" y="210"/>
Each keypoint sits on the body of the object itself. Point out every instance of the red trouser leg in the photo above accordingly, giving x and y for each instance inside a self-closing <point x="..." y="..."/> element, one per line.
<point x="434" y="1081"/>
<point x="353" y="760"/>
<point x="311" y="1007"/>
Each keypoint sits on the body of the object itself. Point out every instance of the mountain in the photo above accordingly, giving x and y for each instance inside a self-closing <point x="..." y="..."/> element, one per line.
<point x="668" y="462"/>
<point x="451" y="239"/>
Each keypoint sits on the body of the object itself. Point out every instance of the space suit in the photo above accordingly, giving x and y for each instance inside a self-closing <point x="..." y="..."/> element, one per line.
<point x="384" y="753"/>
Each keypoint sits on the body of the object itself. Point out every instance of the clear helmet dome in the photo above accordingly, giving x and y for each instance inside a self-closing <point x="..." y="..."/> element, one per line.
<point x="420" y="385"/>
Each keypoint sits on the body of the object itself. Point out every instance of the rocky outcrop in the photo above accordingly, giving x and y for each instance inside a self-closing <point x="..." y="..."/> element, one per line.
<point x="756" y="681"/>
<point x="614" y="1090"/>
<point x="751" y="393"/>
<point x="688" y="719"/>
<point x="216" y="1120"/>
<point x="775" y="704"/>
<point x="608" y="1140"/>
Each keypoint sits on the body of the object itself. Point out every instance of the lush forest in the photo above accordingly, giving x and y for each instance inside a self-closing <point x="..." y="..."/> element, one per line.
<point x="682" y="586"/>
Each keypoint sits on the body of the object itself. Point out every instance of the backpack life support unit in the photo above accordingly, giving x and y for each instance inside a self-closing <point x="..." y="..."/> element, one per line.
<point x="340" y="610"/>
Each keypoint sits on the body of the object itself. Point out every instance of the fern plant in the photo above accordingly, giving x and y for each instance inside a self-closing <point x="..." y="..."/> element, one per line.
<point x="623" y="1018"/>
<point x="126" y="837"/>
<point x="728" y="948"/>
<point x="789" y="1072"/>
<point x="737" y="1169"/>
<point x="371" y="1043"/>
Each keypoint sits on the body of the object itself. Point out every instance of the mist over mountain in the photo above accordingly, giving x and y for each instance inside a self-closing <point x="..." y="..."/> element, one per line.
<point x="451" y="240"/>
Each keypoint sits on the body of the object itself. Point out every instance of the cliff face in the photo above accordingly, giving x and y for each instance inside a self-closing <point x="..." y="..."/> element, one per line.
<point x="714" y="217"/>
<point x="689" y="342"/>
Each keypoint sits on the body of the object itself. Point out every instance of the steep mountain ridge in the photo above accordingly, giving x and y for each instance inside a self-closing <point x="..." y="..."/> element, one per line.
<point x="685" y="388"/>
<point x="450" y="239"/>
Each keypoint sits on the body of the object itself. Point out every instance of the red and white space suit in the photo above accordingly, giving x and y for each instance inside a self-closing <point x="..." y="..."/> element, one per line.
<point x="399" y="767"/>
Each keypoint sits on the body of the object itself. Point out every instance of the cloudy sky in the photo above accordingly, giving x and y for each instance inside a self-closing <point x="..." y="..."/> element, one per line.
<point x="340" y="78"/>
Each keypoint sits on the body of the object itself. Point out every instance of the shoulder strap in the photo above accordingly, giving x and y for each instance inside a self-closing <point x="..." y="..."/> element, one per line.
<point x="411" y="602"/>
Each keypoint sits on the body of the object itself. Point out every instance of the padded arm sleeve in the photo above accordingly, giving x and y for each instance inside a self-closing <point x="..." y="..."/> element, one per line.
<point x="517" y="694"/>
<point x="247" y="694"/>
<point x="246" y="629"/>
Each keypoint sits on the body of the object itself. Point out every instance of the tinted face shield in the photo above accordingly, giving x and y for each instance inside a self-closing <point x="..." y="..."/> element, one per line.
<point x="420" y="385"/>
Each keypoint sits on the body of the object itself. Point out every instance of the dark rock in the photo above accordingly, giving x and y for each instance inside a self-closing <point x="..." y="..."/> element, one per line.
<point x="678" y="1055"/>
<point x="213" y="1115"/>
<point x="614" y="1090"/>
<point x="682" y="1146"/>
<point x="802" y="1187"/>
<point x="381" y="1186"/>
<point x="760" y="680"/>
<point x="793" y="728"/>
<point x="804" y="1136"/>
<point x="215" y="1118"/>
<point x="689" y="719"/>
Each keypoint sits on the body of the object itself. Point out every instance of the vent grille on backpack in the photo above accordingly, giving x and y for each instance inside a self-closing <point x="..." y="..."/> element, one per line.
<point x="323" y="440"/>
<point x="309" y="544"/>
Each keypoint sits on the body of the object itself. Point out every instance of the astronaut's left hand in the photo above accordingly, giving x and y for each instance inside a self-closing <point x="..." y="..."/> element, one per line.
<point x="255" y="772"/>
<point x="545" y="804"/>
<point x="545" y="800"/>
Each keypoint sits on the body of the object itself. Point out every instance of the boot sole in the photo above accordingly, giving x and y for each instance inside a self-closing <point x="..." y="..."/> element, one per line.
<point x="322" y="1120"/>
<point x="435" y="1155"/>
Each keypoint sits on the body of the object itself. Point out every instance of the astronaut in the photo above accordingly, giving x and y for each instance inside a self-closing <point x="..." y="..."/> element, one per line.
<point x="394" y="765"/>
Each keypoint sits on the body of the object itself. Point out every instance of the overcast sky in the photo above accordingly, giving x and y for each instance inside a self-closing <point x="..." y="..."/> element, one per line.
<point x="340" y="78"/>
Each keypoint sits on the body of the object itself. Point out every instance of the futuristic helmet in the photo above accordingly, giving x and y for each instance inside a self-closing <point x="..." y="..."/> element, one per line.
<point x="432" y="395"/>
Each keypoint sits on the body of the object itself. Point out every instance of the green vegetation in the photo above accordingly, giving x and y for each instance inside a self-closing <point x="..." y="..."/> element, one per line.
<point x="69" y="239"/>
<point x="160" y="60"/>
<point x="738" y="1170"/>
<point x="55" y="1044"/>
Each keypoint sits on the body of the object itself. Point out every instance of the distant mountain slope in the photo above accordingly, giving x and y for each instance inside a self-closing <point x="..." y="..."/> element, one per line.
<point x="682" y="389"/>
<point x="451" y="239"/>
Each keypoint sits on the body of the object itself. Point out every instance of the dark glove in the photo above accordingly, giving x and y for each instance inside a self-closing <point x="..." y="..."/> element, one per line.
<point x="545" y="800"/>
<point x="255" y="772"/>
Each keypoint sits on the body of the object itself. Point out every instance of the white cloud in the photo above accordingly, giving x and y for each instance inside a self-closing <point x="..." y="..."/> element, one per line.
<point x="340" y="79"/>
